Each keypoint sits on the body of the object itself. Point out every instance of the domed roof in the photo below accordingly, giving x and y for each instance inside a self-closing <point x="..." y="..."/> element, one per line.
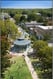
<point x="22" y="42"/>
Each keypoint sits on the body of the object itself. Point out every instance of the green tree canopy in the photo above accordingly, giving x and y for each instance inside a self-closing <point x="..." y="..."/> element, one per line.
<point x="23" y="19"/>
<point x="24" y="12"/>
<point x="8" y="27"/>
<point x="39" y="44"/>
<point x="31" y="17"/>
<point x="39" y="18"/>
<point x="4" y="58"/>
<point x="45" y="55"/>
<point x="17" y="18"/>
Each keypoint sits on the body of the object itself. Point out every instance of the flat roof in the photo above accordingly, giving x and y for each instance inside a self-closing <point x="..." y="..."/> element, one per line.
<point x="45" y="27"/>
<point x="32" y="23"/>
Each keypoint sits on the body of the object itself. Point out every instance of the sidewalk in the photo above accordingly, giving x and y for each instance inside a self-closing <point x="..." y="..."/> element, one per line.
<point x="31" y="69"/>
<point x="28" y="62"/>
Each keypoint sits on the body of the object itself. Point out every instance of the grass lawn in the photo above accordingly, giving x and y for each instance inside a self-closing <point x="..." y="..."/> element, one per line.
<point x="18" y="69"/>
<point x="41" y="73"/>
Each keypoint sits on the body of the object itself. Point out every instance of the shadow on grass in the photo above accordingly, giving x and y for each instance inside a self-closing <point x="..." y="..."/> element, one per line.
<point x="42" y="74"/>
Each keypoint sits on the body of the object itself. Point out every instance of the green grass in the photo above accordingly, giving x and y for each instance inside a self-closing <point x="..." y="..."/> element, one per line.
<point x="37" y="66"/>
<point x="18" y="70"/>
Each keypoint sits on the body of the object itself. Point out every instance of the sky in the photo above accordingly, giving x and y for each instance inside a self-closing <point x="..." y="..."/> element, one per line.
<point x="26" y="4"/>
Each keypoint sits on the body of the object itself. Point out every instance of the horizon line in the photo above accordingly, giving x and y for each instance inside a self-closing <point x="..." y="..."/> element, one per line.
<point x="26" y="8"/>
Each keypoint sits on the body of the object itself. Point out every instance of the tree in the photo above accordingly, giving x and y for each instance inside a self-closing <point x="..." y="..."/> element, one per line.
<point x="45" y="54"/>
<point x="47" y="36"/>
<point x="33" y="38"/>
<point x="43" y="13"/>
<point x="31" y="17"/>
<point x="5" y="62"/>
<point x="45" y="23"/>
<point x="23" y="18"/>
<point x="49" y="14"/>
<point x="24" y="12"/>
<point x="17" y="18"/>
<point x="7" y="27"/>
<point x="39" y="44"/>
<point x="11" y="14"/>
<point x="39" y="18"/>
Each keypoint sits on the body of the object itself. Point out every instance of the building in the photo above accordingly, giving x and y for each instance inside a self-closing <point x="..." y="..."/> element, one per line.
<point x="32" y="24"/>
<point x="38" y="14"/>
<point x="4" y="16"/>
<point x="41" y="30"/>
<point x="21" y="44"/>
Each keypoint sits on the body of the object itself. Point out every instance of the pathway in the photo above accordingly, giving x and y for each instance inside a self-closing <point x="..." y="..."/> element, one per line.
<point x="31" y="69"/>
<point x="28" y="62"/>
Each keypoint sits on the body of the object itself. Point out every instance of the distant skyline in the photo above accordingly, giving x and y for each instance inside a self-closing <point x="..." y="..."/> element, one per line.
<point x="26" y="4"/>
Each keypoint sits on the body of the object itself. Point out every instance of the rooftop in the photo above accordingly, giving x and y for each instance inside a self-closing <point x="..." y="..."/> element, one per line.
<point x="45" y="27"/>
<point x="3" y="15"/>
<point x="38" y="13"/>
<point x="33" y="23"/>
<point x="22" y="42"/>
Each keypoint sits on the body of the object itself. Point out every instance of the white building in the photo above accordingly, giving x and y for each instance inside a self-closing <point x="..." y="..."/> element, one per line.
<point x="4" y="16"/>
<point x="32" y="24"/>
<point x="38" y="14"/>
<point x="41" y="30"/>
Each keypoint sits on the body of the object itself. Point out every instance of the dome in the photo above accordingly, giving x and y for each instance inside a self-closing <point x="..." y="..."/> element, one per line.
<point x="22" y="42"/>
